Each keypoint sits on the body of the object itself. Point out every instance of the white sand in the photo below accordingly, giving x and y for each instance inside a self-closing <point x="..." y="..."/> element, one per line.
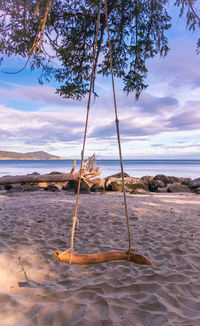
<point x="37" y="290"/>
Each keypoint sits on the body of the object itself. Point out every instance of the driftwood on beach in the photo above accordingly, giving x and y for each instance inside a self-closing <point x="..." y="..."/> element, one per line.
<point x="101" y="257"/>
<point x="62" y="177"/>
<point x="89" y="170"/>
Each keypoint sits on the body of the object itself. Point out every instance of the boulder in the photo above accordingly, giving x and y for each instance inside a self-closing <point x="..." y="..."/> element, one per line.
<point x="84" y="188"/>
<point x="158" y="184"/>
<point x="186" y="181"/>
<point x="197" y="190"/>
<point x="98" y="182"/>
<point x="161" y="181"/>
<point x="13" y="186"/>
<point x="139" y="191"/>
<point x="135" y="183"/>
<point x="131" y="183"/>
<point x="67" y="186"/>
<point x="147" y="180"/>
<point x="114" y="186"/>
<point x="117" y="175"/>
<point x="51" y="188"/>
<point x="155" y="184"/>
<point x="16" y="188"/>
<point x="2" y="187"/>
<point x="30" y="187"/>
<point x="195" y="183"/>
<point x="97" y="188"/>
<point x="178" y="187"/>
<point x="164" y="189"/>
<point x="59" y="185"/>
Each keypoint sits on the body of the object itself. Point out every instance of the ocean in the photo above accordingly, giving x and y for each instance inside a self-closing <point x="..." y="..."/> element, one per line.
<point x="136" y="168"/>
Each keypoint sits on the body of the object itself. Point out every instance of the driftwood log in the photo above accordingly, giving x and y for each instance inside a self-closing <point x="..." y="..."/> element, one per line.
<point x="38" y="178"/>
<point x="102" y="257"/>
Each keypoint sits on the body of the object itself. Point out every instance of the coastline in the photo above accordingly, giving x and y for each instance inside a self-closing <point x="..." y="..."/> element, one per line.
<point x="91" y="182"/>
<point x="135" y="168"/>
<point x="35" y="289"/>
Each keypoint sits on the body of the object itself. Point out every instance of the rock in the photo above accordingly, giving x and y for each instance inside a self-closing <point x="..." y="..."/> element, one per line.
<point x="158" y="184"/>
<point x="54" y="172"/>
<point x="2" y="187"/>
<point x="195" y="183"/>
<point x="29" y="187"/>
<point x="97" y="188"/>
<point x="35" y="173"/>
<point x="84" y="188"/>
<point x="197" y="190"/>
<point x="167" y="179"/>
<point x="131" y="183"/>
<point x="51" y="188"/>
<point x="164" y="189"/>
<point x="139" y="191"/>
<point x="12" y="186"/>
<point x="98" y="185"/>
<point x="161" y="181"/>
<point x="66" y="186"/>
<point x="186" y="181"/>
<point x="114" y="186"/>
<point x="16" y="188"/>
<point x="147" y="180"/>
<point x="98" y="182"/>
<point x="155" y="184"/>
<point x="178" y="187"/>
<point x="117" y="175"/>
<point x="135" y="183"/>
<point x="8" y="187"/>
<point x="59" y="185"/>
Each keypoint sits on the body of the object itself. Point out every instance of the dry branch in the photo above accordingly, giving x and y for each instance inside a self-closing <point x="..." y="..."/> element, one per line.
<point x="102" y="257"/>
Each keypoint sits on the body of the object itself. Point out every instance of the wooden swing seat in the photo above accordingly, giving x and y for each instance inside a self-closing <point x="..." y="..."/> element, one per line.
<point x="100" y="257"/>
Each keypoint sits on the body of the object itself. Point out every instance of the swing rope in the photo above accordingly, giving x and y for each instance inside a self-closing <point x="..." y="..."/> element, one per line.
<point x="118" y="133"/>
<point x="85" y="132"/>
<point x="75" y="219"/>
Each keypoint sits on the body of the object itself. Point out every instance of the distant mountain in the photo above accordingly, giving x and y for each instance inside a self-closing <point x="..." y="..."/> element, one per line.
<point x="40" y="155"/>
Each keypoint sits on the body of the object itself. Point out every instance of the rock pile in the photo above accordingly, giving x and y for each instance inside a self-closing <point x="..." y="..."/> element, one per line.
<point x="159" y="183"/>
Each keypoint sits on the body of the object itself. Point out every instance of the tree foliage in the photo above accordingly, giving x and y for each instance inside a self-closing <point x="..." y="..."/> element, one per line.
<point x="137" y="30"/>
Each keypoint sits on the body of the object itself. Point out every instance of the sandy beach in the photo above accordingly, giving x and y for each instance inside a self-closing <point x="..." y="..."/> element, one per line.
<point x="35" y="289"/>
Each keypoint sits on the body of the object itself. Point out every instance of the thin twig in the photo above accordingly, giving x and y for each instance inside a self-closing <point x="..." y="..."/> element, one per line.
<point x="193" y="11"/>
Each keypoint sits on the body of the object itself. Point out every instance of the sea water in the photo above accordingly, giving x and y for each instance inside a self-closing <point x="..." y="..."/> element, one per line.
<point x="136" y="168"/>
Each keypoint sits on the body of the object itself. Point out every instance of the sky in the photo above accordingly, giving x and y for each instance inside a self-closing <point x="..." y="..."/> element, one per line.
<point x="163" y="123"/>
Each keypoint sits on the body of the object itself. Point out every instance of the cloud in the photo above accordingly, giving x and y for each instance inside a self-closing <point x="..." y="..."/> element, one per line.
<point x="46" y="97"/>
<point x="188" y="118"/>
<point x="169" y="118"/>
<point x="177" y="145"/>
<point x="46" y="127"/>
<point x="150" y="104"/>
<point x="39" y="127"/>
<point x="129" y="127"/>
<point x="179" y="69"/>
<point x="43" y="95"/>
<point x="185" y="121"/>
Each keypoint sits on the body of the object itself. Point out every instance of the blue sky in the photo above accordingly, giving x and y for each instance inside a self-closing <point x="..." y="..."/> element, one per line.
<point x="163" y="123"/>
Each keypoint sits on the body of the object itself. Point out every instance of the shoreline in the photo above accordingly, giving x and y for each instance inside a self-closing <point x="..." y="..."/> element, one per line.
<point x="136" y="168"/>
<point x="57" y="181"/>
